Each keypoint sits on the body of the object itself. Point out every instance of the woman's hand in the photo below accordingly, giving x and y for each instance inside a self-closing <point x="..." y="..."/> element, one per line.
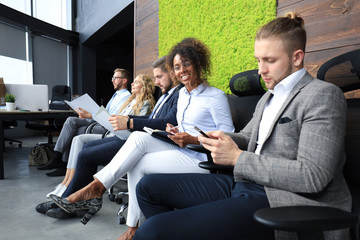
<point x="171" y="129"/>
<point x="118" y="122"/>
<point x="182" y="139"/>
<point x="83" y="113"/>
<point x="224" y="150"/>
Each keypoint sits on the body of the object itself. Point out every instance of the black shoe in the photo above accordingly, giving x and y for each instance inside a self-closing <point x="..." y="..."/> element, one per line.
<point x="45" y="206"/>
<point x="54" y="162"/>
<point x="61" y="214"/>
<point x="58" y="172"/>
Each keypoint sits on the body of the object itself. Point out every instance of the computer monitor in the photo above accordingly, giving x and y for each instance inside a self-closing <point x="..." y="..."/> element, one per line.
<point x="29" y="97"/>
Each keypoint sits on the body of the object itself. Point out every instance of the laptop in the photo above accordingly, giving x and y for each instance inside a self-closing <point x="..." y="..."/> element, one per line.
<point x="29" y="97"/>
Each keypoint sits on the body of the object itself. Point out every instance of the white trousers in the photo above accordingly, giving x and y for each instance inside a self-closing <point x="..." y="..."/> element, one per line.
<point x="77" y="145"/>
<point x="143" y="154"/>
<point x="79" y="141"/>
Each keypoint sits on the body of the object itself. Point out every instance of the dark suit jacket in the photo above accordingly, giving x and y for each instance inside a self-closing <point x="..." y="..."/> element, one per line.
<point x="166" y="114"/>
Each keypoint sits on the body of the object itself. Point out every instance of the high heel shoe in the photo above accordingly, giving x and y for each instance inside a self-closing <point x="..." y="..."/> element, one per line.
<point x="92" y="205"/>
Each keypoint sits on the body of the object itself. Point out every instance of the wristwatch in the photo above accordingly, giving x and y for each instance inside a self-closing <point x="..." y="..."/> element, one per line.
<point x="128" y="124"/>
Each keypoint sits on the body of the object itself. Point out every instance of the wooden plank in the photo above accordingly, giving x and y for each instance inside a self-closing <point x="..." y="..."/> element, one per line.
<point x="147" y="29"/>
<point x="286" y="3"/>
<point x="147" y="58"/>
<point x="146" y="36"/>
<point x="146" y="8"/>
<point x="146" y="49"/>
<point x="329" y="23"/>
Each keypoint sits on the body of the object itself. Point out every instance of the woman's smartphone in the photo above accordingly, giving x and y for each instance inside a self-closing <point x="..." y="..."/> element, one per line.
<point x="201" y="131"/>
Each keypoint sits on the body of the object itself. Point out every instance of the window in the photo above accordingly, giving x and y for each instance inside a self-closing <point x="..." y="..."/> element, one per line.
<point x="14" y="62"/>
<point x="23" y="6"/>
<point x="55" y="12"/>
<point x="35" y="59"/>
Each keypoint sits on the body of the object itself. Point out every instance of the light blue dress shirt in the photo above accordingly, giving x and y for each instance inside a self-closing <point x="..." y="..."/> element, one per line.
<point x="205" y="107"/>
<point x="117" y="101"/>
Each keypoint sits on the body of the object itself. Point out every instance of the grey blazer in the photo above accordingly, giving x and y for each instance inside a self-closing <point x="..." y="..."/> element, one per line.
<point x="302" y="157"/>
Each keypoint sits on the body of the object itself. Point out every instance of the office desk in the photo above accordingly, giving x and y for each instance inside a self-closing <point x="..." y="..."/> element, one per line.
<point x="23" y="115"/>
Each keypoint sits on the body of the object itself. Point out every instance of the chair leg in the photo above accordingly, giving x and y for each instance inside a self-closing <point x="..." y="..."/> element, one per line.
<point x="50" y="138"/>
<point x="120" y="217"/>
<point x="122" y="198"/>
<point x="111" y="194"/>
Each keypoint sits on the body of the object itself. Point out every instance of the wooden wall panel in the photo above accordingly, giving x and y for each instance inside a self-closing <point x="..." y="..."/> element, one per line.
<point x="332" y="28"/>
<point x="146" y="36"/>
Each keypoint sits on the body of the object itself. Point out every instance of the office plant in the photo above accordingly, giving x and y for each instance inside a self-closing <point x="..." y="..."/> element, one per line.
<point x="9" y="97"/>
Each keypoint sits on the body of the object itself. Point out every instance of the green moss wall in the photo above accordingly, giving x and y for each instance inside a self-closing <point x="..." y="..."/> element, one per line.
<point x="227" y="27"/>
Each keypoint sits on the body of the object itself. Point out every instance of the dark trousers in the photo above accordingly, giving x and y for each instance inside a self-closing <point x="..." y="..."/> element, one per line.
<point x="208" y="206"/>
<point x="93" y="154"/>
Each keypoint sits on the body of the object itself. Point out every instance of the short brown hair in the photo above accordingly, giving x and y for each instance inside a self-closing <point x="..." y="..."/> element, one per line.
<point x="290" y="28"/>
<point x="124" y="74"/>
<point x="160" y="63"/>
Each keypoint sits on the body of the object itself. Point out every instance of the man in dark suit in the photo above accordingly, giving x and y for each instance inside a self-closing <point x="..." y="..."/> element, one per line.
<point x="290" y="153"/>
<point x="100" y="152"/>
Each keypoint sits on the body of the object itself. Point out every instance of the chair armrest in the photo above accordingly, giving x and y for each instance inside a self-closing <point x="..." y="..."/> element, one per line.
<point x="210" y="165"/>
<point x="106" y="134"/>
<point x="90" y="127"/>
<point x="197" y="148"/>
<point x="305" y="218"/>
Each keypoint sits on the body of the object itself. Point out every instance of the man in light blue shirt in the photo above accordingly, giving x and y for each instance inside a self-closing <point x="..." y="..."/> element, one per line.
<point x="74" y="126"/>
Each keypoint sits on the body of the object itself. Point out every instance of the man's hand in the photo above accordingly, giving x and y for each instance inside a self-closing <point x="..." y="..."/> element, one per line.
<point x="83" y="113"/>
<point x="118" y="122"/>
<point x="224" y="150"/>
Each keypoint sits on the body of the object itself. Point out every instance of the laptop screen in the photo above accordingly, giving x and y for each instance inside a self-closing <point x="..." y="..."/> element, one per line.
<point x="29" y="97"/>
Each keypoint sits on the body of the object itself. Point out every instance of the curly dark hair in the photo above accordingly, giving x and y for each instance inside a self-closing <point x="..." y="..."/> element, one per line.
<point x="194" y="51"/>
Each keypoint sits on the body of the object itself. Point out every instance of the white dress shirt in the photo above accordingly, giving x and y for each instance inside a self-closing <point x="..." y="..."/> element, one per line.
<point x="161" y="102"/>
<point x="280" y="93"/>
<point x="205" y="107"/>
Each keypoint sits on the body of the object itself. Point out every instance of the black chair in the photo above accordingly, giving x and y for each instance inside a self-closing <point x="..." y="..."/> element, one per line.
<point x="11" y="124"/>
<point x="311" y="222"/>
<point x="60" y="93"/>
<point x="247" y="91"/>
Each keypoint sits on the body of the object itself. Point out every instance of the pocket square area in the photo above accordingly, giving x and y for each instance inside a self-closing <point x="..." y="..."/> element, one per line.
<point x="284" y="120"/>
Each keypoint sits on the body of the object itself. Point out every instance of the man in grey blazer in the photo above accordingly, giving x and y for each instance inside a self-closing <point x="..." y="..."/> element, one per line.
<point x="290" y="153"/>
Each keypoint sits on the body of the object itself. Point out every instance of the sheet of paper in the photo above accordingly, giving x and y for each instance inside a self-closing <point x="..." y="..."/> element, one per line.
<point x="84" y="102"/>
<point x="102" y="117"/>
<point x="99" y="113"/>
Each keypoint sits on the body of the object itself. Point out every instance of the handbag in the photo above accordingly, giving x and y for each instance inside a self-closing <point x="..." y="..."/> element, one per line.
<point x="40" y="154"/>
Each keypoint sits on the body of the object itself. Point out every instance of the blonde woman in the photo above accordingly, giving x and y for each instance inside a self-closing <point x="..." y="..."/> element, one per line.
<point x="141" y="102"/>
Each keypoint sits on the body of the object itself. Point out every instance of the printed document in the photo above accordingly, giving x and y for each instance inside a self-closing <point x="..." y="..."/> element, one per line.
<point x="85" y="102"/>
<point x="99" y="114"/>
